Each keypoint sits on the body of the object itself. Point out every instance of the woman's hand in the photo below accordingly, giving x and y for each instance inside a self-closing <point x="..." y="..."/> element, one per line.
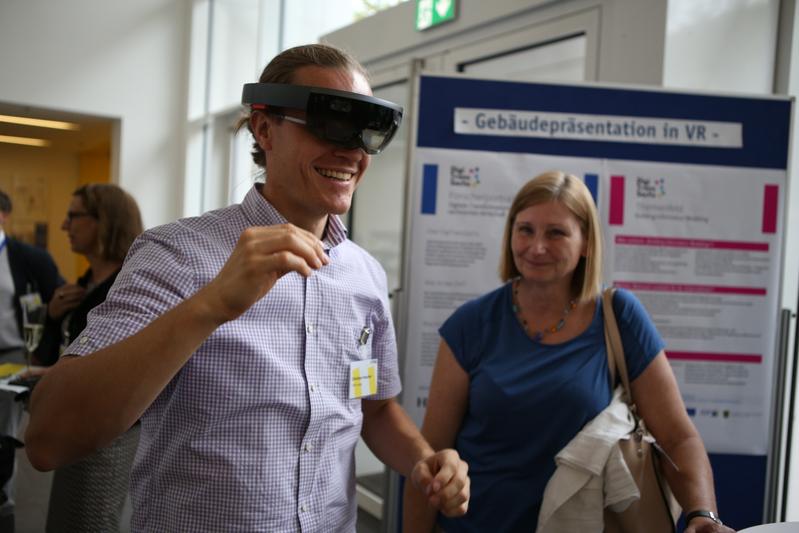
<point x="65" y="299"/>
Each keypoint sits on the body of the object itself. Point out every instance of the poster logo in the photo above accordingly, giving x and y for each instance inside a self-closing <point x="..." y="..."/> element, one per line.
<point x="464" y="177"/>
<point x="650" y="188"/>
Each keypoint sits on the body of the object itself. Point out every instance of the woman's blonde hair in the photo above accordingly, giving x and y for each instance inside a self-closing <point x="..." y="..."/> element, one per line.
<point x="571" y="192"/>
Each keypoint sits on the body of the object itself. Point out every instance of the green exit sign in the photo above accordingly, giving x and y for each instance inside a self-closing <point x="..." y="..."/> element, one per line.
<point x="431" y="13"/>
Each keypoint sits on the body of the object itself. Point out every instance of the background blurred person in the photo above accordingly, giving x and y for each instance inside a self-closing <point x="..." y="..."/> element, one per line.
<point x="25" y="272"/>
<point x="102" y="222"/>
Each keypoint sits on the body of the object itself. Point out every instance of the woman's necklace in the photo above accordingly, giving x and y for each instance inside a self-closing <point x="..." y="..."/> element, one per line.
<point x="538" y="335"/>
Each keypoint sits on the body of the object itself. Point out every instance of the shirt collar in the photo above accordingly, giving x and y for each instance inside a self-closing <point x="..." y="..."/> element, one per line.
<point x="260" y="212"/>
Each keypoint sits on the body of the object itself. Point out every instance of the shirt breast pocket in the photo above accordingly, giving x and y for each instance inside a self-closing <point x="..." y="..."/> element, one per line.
<point x="361" y="369"/>
<point x="355" y="339"/>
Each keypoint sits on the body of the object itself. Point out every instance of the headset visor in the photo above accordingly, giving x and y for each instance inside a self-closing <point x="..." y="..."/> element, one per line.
<point x="347" y="119"/>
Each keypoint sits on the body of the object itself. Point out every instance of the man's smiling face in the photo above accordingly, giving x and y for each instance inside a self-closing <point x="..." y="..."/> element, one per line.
<point x="307" y="177"/>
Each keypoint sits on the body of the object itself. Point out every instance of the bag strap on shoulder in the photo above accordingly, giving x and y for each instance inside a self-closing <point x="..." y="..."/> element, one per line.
<point x="614" y="346"/>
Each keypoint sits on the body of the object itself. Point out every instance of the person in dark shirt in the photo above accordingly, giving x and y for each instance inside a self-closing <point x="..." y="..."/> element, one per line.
<point x="102" y="222"/>
<point x="25" y="271"/>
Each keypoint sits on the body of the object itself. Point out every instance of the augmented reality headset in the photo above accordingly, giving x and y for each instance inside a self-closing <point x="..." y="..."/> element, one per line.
<point x="347" y="119"/>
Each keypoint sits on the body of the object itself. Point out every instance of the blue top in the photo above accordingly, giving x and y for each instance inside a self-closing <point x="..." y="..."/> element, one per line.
<point x="527" y="400"/>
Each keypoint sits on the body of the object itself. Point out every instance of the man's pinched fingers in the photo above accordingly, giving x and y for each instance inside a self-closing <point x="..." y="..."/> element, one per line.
<point x="299" y="241"/>
<point x="285" y="261"/>
<point x="259" y="241"/>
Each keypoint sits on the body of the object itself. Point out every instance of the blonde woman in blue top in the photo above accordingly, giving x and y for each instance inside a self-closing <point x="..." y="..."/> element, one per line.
<point x="523" y="368"/>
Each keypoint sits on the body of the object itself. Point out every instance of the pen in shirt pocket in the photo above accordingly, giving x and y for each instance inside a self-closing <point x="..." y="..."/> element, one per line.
<point x="363" y="338"/>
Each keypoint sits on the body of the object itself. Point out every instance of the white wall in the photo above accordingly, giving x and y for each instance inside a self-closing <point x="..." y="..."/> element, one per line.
<point x="114" y="58"/>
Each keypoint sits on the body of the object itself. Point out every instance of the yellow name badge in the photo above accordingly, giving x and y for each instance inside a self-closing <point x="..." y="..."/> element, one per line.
<point x="363" y="378"/>
<point x="31" y="300"/>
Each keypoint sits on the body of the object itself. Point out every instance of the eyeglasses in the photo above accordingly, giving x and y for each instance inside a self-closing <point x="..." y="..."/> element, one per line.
<point x="350" y="120"/>
<point x="72" y="215"/>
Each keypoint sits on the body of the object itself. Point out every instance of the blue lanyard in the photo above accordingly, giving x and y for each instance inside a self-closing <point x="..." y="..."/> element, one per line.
<point x="3" y="245"/>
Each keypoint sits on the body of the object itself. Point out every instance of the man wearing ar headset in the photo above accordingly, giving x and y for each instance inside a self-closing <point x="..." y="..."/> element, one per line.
<point x="254" y="342"/>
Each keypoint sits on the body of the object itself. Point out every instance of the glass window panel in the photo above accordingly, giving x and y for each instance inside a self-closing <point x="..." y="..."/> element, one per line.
<point x="234" y="45"/>
<point x="377" y="216"/>
<point x="379" y="204"/>
<point x="721" y="46"/>
<point x="562" y="60"/>
<point x="198" y="59"/>
<point x="193" y="184"/>
<point x="217" y="168"/>
<point x="243" y="172"/>
<point x="269" y="34"/>
<point x="306" y="20"/>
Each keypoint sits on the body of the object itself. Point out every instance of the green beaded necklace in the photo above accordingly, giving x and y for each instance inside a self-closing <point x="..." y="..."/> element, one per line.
<point x="538" y="335"/>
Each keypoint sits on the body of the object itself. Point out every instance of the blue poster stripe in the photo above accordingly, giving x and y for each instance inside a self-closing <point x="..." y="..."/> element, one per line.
<point x="429" y="189"/>
<point x="592" y="182"/>
<point x="740" y="504"/>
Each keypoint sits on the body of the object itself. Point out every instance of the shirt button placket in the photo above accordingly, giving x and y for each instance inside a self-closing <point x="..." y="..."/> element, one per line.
<point x="308" y="458"/>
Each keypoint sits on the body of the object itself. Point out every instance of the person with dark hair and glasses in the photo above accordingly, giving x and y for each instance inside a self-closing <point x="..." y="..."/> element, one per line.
<point x="254" y="342"/>
<point x="102" y="221"/>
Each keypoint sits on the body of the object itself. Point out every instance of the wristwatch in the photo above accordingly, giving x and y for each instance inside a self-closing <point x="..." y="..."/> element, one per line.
<point x="705" y="514"/>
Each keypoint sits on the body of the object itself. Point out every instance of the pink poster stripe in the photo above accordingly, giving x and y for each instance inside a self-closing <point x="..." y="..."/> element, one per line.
<point x="616" y="217"/>
<point x="770" y="202"/>
<point x="681" y="287"/>
<point x="715" y="357"/>
<point x="676" y="242"/>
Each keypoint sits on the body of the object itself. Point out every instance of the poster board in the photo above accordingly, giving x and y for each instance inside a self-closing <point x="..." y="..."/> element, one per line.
<point x="690" y="190"/>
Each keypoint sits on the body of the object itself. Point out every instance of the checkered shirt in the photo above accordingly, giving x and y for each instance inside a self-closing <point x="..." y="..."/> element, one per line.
<point x="257" y="431"/>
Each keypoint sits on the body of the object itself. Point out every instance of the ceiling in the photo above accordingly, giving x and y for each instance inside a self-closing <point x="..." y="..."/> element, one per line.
<point x="94" y="132"/>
